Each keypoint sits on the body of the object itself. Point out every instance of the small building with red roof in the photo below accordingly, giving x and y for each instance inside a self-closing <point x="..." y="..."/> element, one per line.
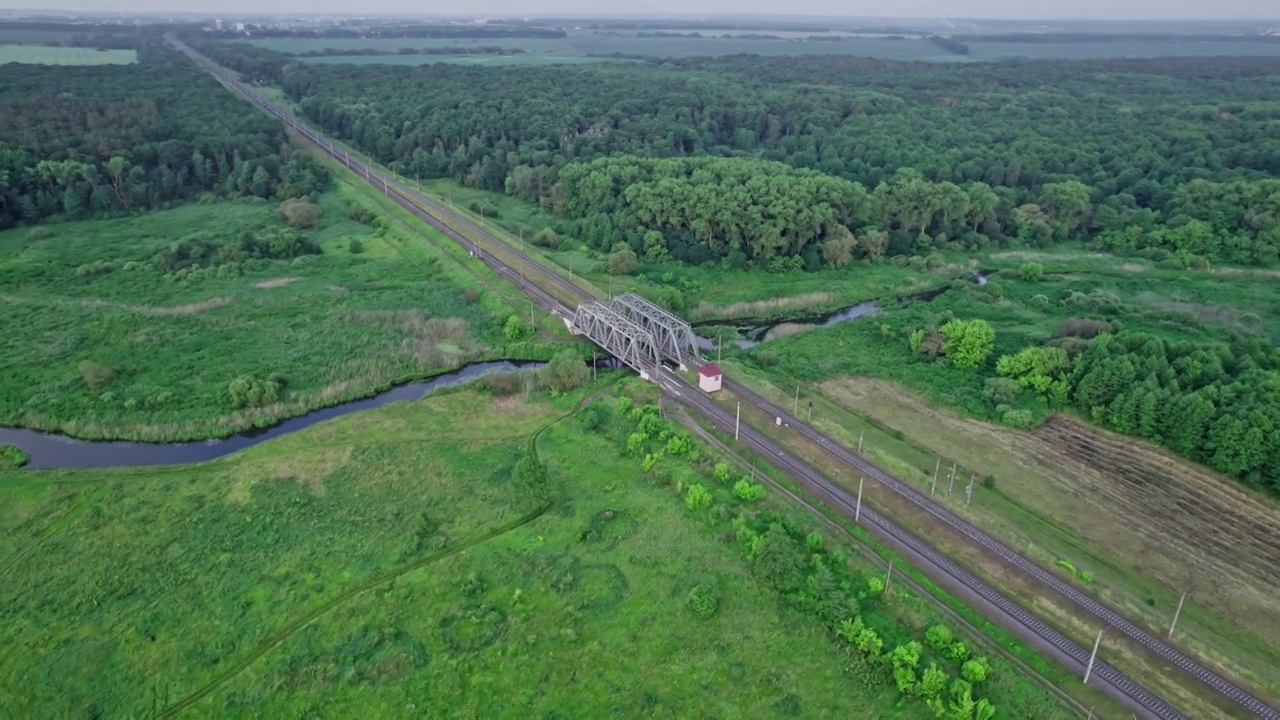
<point x="710" y="377"/>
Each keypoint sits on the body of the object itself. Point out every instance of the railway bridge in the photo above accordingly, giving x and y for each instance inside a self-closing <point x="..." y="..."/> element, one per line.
<point x="637" y="332"/>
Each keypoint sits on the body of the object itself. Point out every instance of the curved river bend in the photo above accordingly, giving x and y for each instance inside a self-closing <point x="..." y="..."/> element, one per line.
<point x="58" y="451"/>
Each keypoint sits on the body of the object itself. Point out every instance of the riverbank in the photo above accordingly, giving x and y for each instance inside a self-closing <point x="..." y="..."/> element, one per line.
<point x="46" y="450"/>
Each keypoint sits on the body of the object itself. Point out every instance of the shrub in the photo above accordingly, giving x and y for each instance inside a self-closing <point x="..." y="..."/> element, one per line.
<point x="355" y="247"/>
<point x="968" y="344"/>
<point x="748" y="491"/>
<point x="360" y="214"/>
<point x="95" y="374"/>
<point x="39" y="233"/>
<point x="248" y="391"/>
<point x="1083" y="328"/>
<point x="989" y="482"/>
<point x="547" y="238"/>
<point x="623" y="261"/>
<point x="704" y="601"/>
<point x="298" y="213"/>
<point x="975" y="670"/>
<point x="566" y="371"/>
<point x="1031" y="272"/>
<point x="721" y="472"/>
<point x="938" y="637"/>
<point x="12" y="456"/>
<point x="517" y="329"/>
<point x="97" y="267"/>
<point x="697" y="497"/>
<point x="1019" y="419"/>
<point x="483" y="209"/>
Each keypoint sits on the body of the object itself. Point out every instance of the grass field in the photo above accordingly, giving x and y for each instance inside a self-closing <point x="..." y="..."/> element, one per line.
<point x="529" y="58"/>
<point x="40" y="55"/>
<point x="116" y="347"/>
<point x="384" y="562"/>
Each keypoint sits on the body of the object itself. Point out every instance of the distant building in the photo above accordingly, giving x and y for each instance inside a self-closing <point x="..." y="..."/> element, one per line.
<point x="217" y="24"/>
<point x="239" y="27"/>
<point x="709" y="377"/>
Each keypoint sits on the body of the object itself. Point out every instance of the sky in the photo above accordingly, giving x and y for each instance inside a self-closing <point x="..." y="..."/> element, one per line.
<point x="1013" y="9"/>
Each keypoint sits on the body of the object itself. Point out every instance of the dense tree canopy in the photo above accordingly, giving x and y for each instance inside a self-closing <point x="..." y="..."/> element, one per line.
<point x="83" y="141"/>
<point x="1127" y="152"/>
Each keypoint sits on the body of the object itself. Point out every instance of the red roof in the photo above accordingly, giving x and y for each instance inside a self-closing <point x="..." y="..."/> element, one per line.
<point x="710" y="370"/>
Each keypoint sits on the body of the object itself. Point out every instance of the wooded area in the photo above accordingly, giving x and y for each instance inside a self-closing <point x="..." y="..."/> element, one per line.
<point x="1130" y="152"/>
<point x="79" y="142"/>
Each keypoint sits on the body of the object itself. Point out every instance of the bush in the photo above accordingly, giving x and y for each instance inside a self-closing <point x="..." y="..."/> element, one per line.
<point x="704" y="601"/>
<point x="483" y="209"/>
<point x="1083" y="328"/>
<point x="355" y="247"/>
<point x="360" y="214"/>
<point x="1031" y="272"/>
<point x="97" y="267"/>
<point x="747" y="490"/>
<point x="547" y="238"/>
<point x="1019" y="419"/>
<point x="517" y="329"/>
<point x="298" y="213"/>
<point x="938" y="636"/>
<point x="12" y="456"/>
<point x="566" y="371"/>
<point x="623" y="261"/>
<point x="697" y="497"/>
<point x="39" y="233"/>
<point x="96" y="375"/>
<point x="248" y="391"/>
<point x="989" y="482"/>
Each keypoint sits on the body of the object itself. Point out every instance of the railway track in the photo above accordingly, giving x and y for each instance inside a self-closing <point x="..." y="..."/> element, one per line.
<point x="997" y="605"/>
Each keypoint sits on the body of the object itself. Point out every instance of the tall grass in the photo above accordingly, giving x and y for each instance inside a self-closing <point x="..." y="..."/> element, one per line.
<point x="329" y="328"/>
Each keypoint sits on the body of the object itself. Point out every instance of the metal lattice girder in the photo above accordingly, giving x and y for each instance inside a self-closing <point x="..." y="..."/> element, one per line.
<point x="675" y="337"/>
<point x="624" y="339"/>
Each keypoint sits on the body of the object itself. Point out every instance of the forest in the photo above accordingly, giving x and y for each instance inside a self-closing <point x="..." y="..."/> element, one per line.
<point x="1141" y="156"/>
<point x="80" y="142"/>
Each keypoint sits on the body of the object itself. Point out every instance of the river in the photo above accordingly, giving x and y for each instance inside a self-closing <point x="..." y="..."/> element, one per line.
<point x="49" y="450"/>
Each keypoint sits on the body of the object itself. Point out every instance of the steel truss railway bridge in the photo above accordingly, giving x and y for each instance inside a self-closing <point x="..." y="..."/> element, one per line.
<point x="637" y="332"/>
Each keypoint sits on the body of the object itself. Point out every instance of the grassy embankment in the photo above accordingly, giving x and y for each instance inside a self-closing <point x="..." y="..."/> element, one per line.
<point x="117" y="346"/>
<point x="385" y="561"/>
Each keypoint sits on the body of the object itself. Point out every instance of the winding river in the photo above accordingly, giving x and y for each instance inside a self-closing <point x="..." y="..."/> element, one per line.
<point x="48" y="450"/>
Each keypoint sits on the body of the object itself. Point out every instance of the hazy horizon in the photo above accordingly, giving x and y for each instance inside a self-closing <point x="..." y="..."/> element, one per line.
<point x="1101" y="10"/>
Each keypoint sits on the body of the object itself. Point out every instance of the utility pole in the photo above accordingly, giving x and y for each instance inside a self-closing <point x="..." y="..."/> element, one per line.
<point x="860" y="432"/>
<point x="952" y="481"/>
<point x="888" y="576"/>
<point x="795" y="412"/>
<point x="1176" y="613"/>
<point x="934" y="486"/>
<point x="736" y="420"/>
<point x="1092" y="656"/>
<point x="857" y="512"/>
<point x="968" y="491"/>
<point x="810" y="411"/>
<point x="532" y="322"/>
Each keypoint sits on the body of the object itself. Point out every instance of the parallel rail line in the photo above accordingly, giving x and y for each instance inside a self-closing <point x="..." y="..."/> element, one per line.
<point x="1117" y="684"/>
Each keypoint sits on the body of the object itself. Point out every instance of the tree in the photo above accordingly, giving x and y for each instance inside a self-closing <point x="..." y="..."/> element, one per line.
<point x="355" y="247"/>
<point x="566" y="371"/>
<point x="968" y="344"/>
<point x="1068" y="202"/>
<point x="623" y="261"/>
<point x="547" y="238"/>
<point x="837" y="249"/>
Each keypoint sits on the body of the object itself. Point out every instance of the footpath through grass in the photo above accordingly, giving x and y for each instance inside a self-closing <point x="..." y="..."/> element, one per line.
<point x="392" y="563"/>
<point x="122" y="340"/>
